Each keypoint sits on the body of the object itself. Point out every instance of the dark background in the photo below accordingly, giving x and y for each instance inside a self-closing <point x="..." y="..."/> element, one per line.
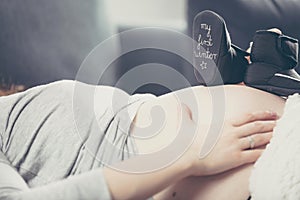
<point x="42" y="41"/>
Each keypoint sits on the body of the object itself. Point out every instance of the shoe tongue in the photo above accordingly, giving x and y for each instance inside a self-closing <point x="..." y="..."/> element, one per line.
<point x="275" y="49"/>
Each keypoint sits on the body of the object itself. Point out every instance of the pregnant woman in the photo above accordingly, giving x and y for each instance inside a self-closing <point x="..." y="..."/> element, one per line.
<point x="53" y="149"/>
<point x="70" y="140"/>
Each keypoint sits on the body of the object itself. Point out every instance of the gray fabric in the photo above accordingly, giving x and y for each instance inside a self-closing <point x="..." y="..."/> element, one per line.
<point x="3" y="158"/>
<point x="52" y="132"/>
<point x="90" y="185"/>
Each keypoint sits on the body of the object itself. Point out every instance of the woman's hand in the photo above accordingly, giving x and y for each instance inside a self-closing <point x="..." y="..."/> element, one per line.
<point x="240" y="142"/>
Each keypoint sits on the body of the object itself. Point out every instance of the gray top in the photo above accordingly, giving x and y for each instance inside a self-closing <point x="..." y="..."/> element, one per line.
<point x="64" y="129"/>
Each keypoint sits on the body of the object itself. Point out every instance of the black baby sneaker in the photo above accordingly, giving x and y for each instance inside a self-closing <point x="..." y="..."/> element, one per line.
<point x="216" y="60"/>
<point x="274" y="57"/>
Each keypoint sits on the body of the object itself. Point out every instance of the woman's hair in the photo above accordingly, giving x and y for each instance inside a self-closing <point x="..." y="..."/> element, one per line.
<point x="8" y="85"/>
<point x="4" y="91"/>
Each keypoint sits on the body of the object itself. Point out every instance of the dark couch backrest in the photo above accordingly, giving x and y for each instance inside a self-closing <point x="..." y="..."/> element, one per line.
<point x="43" y="41"/>
<point x="244" y="17"/>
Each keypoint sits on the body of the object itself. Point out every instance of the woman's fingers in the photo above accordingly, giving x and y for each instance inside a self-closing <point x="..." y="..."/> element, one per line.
<point x="255" y="116"/>
<point x="251" y="156"/>
<point x="244" y="142"/>
<point x="255" y="127"/>
<point x="256" y="140"/>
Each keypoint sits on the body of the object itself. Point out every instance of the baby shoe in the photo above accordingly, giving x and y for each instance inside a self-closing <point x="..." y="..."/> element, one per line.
<point x="274" y="57"/>
<point x="216" y="60"/>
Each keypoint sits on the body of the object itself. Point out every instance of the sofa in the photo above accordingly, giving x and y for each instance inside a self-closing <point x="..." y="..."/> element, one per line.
<point x="43" y="41"/>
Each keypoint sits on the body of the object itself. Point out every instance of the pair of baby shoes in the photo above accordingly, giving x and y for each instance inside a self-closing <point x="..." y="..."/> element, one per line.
<point x="217" y="61"/>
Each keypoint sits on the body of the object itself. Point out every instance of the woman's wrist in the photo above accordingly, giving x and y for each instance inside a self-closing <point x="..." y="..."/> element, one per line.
<point x="148" y="184"/>
<point x="191" y="165"/>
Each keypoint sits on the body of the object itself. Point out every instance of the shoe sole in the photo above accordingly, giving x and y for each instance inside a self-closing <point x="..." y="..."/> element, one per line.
<point x="208" y="30"/>
<point x="262" y="76"/>
<point x="276" y="90"/>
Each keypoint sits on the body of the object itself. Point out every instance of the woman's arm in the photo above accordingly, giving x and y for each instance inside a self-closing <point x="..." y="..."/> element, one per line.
<point x="122" y="185"/>
<point x="129" y="185"/>
<point x="239" y="102"/>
